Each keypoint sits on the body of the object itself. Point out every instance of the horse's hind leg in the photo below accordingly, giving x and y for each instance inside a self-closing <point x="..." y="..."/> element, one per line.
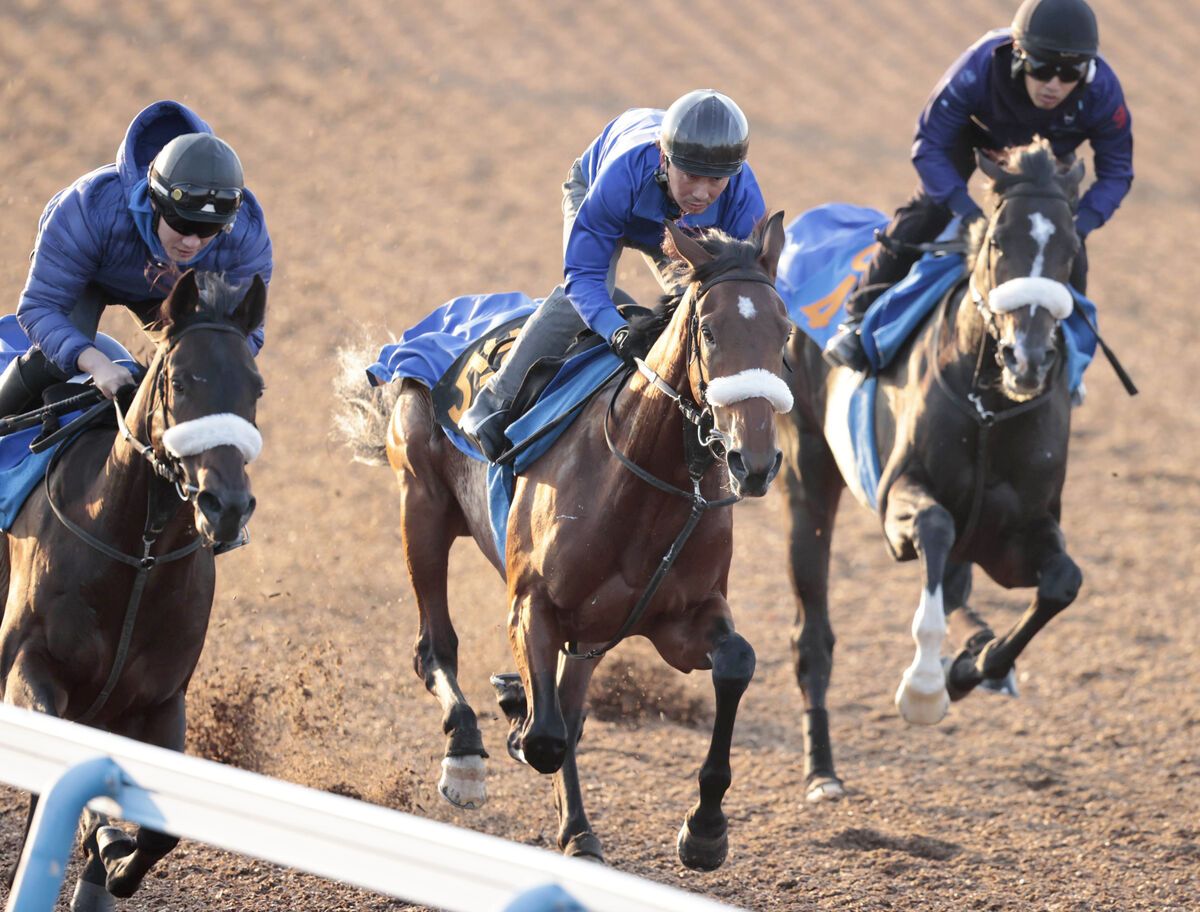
<point x="575" y="836"/>
<point x="429" y="529"/>
<point x="1059" y="579"/>
<point x="814" y="488"/>
<point x="704" y="838"/>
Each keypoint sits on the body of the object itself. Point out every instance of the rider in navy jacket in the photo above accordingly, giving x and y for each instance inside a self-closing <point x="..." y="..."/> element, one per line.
<point x="102" y="241"/>
<point x="685" y="164"/>
<point x="1041" y="77"/>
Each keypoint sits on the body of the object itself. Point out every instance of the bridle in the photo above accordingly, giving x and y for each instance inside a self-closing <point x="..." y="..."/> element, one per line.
<point x="701" y="448"/>
<point x="169" y="468"/>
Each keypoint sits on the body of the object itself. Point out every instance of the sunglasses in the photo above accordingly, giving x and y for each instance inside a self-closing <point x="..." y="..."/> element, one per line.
<point x="186" y="228"/>
<point x="193" y="198"/>
<point x="1044" y="70"/>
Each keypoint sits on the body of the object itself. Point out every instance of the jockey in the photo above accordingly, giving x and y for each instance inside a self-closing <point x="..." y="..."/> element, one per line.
<point x="1042" y="77"/>
<point x="686" y="164"/>
<point x="173" y="200"/>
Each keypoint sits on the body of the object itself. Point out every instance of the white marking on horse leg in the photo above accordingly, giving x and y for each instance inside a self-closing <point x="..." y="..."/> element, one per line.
<point x="921" y="697"/>
<point x="746" y="307"/>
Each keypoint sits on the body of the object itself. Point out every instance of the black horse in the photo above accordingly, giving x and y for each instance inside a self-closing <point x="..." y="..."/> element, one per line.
<point x="971" y="423"/>
<point x="109" y="569"/>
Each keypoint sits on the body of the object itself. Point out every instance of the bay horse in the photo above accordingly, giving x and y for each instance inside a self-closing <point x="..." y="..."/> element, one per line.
<point x="110" y="580"/>
<point x="592" y="521"/>
<point x="971" y="423"/>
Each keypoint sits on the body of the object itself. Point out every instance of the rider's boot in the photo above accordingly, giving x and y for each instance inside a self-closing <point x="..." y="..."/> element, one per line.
<point x="484" y="422"/>
<point x="23" y="381"/>
<point x="845" y="348"/>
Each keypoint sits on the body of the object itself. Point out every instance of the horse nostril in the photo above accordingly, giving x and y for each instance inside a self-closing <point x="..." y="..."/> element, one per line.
<point x="737" y="465"/>
<point x="209" y="504"/>
<point x="1009" y="354"/>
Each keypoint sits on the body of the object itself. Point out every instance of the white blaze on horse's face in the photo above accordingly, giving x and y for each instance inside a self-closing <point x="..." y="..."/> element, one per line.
<point x="1042" y="229"/>
<point x="746" y="307"/>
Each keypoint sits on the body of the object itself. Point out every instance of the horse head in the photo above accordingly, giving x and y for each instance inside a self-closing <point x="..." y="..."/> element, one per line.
<point x="197" y="405"/>
<point x="1024" y="260"/>
<point x="737" y="327"/>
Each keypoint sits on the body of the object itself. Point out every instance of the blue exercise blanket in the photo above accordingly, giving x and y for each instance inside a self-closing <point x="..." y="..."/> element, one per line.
<point x="427" y="350"/>
<point x="20" y="469"/>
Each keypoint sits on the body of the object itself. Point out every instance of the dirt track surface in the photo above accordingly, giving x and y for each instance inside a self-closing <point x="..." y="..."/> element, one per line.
<point x="407" y="153"/>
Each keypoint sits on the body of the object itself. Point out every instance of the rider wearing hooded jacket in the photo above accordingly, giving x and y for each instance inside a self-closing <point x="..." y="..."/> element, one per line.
<point x="686" y="164"/>
<point x="1041" y="77"/>
<point x="173" y="200"/>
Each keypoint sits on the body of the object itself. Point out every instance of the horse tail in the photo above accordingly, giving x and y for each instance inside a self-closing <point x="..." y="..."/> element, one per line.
<point x="362" y="412"/>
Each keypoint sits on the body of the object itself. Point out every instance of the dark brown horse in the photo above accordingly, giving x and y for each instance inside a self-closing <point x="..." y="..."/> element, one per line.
<point x="110" y="579"/>
<point x="971" y="424"/>
<point x="592" y="520"/>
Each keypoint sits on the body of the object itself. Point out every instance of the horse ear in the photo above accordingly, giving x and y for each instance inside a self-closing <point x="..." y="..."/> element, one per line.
<point x="678" y="243"/>
<point x="248" y="315"/>
<point x="183" y="298"/>
<point x="773" y="239"/>
<point x="989" y="166"/>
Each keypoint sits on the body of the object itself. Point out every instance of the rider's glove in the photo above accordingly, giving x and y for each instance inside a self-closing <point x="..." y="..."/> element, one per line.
<point x="633" y="341"/>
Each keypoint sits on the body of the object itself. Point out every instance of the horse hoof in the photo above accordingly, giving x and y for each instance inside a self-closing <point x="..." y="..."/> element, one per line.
<point x="920" y="708"/>
<point x="825" y="788"/>
<point x="545" y="754"/>
<point x="464" y="782"/>
<point x="702" y="853"/>
<point x="113" y="843"/>
<point x="90" y="897"/>
<point x="1005" y="686"/>
<point x="586" y="847"/>
<point x="514" y="747"/>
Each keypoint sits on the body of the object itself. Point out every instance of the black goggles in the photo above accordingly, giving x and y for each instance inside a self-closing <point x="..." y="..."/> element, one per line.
<point x="187" y="228"/>
<point x="1045" y="70"/>
<point x="193" y="198"/>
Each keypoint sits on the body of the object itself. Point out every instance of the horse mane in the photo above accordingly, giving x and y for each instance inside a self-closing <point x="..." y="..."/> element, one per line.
<point x="728" y="253"/>
<point x="1035" y="164"/>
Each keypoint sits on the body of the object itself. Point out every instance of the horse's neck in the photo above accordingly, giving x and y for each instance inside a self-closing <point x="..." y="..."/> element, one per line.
<point x="647" y="422"/>
<point x="963" y="337"/>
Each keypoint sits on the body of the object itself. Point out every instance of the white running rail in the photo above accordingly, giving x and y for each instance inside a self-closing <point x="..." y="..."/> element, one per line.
<point x="353" y="842"/>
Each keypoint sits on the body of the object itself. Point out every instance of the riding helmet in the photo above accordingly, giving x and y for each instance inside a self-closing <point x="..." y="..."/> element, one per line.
<point x="197" y="177"/>
<point x="705" y="133"/>
<point x="1045" y="28"/>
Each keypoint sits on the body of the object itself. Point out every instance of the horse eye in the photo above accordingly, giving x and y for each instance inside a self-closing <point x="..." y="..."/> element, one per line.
<point x="706" y="333"/>
<point x="177" y="385"/>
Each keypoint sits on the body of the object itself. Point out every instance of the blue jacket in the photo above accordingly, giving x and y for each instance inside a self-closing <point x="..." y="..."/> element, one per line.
<point x="99" y="230"/>
<point x="979" y="90"/>
<point x="624" y="204"/>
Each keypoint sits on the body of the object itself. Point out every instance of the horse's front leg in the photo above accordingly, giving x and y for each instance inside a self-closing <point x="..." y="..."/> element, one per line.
<point x="915" y="521"/>
<point x="535" y="636"/>
<point x="704" y="837"/>
<point x="814" y="488"/>
<point x="575" y="836"/>
<point x="115" y="862"/>
<point x="1058" y="581"/>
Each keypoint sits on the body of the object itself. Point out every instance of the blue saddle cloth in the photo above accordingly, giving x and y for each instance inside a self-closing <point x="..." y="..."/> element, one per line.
<point x="21" y="469"/>
<point x="427" y="350"/>
<point x="826" y="250"/>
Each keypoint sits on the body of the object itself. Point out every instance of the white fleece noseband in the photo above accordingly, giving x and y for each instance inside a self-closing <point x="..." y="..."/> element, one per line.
<point x="1034" y="291"/>
<point x="224" y="429"/>
<point x="750" y="384"/>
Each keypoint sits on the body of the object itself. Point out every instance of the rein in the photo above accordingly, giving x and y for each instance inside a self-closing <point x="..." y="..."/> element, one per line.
<point x="701" y="455"/>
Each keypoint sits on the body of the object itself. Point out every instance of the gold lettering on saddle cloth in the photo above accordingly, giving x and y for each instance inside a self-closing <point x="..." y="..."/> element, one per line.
<point x="820" y="312"/>
<point x="479" y="366"/>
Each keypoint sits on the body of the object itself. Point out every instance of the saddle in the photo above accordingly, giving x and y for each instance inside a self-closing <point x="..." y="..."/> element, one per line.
<point x="456" y="389"/>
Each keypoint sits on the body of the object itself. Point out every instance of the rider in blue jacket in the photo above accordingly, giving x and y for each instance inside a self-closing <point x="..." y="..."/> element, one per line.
<point x="685" y="164"/>
<point x="1042" y="77"/>
<point x="173" y="200"/>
